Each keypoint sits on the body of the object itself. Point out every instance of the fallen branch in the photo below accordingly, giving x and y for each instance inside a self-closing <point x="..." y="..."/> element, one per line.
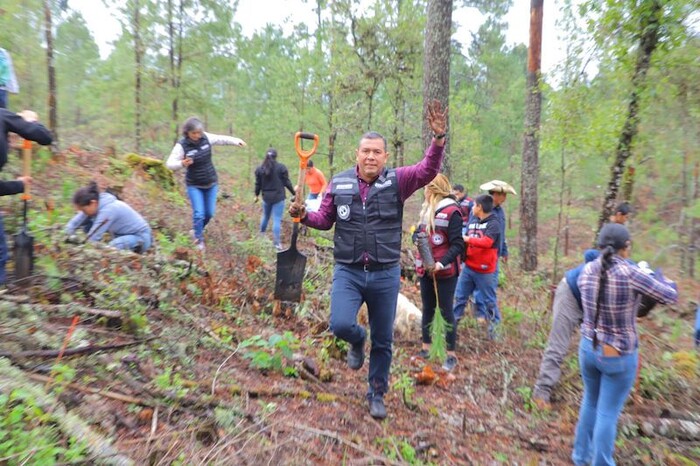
<point x="94" y="391"/>
<point x="335" y="436"/>
<point x="676" y="429"/>
<point x="100" y="447"/>
<point x="70" y="352"/>
<point x="69" y="309"/>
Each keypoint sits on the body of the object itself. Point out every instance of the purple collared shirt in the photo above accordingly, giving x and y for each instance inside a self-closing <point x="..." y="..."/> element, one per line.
<point x="410" y="178"/>
<point x="618" y="306"/>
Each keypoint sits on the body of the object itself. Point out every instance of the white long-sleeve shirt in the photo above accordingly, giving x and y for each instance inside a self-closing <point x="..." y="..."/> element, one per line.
<point x="177" y="155"/>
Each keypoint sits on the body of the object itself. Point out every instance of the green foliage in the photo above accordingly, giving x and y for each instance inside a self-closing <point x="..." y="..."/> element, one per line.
<point x="171" y="382"/>
<point x="28" y="435"/>
<point x="399" y="450"/>
<point x="275" y="353"/>
<point x="156" y="168"/>
<point x="438" y="330"/>
<point x="526" y="393"/>
<point x="405" y="384"/>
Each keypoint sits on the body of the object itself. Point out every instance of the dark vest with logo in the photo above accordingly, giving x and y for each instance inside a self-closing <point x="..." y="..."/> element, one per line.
<point x="373" y="228"/>
<point x="440" y="243"/>
<point x="201" y="173"/>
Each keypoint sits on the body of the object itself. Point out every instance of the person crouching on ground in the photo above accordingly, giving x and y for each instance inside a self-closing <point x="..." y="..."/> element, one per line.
<point x="193" y="152"/>
<point x="608" y="352"/>
<point x="441" y="220"/>
<point x="101" y="213"/>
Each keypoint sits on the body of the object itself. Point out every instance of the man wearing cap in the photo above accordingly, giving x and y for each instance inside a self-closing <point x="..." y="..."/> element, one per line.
<point x="365" y="203"/>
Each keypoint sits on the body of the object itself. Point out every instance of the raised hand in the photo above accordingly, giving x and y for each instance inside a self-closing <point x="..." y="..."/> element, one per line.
<point x="437" y="117"/>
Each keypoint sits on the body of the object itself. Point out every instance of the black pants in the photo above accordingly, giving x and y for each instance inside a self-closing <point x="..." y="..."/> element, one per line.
<point x="445" y="298"/>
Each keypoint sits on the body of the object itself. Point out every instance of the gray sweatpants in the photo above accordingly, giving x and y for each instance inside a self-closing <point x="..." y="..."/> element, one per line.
<point x="567" y="317"/>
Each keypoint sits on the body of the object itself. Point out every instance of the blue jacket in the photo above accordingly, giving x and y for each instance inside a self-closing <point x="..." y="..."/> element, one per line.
<point x="572" y="275"/>
<point x="502" y="244"/>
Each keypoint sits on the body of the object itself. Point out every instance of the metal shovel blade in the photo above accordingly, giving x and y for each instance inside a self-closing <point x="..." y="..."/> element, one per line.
<point x="290" y="271"/>
<point x="23" y="254"/>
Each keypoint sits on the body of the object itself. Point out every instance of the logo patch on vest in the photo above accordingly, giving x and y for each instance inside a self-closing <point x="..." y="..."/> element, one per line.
<point x="383" y="185"/>
<point x="205" y="146"/>
<point x="344" y="186"/>
<point x="343" y="212"/>
<point x="437" y="239"/>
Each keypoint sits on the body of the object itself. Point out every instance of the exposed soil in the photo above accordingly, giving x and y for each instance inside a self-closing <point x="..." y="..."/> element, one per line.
<point x="193" y="397"/>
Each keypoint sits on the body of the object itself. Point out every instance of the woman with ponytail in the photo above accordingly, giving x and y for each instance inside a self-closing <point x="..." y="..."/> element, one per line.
<point x="608" y="351"/>
<point x="271" y="178"/>
<point x="100" y="213"/>
<point x="194" y="153"/>
<point x="441" y="221"/>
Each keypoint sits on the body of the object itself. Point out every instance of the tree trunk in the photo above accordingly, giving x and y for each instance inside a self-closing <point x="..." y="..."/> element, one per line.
<point x="138" y="53"/>
<point x="175" y="55"/>
<point x="436" y="65"/>
<point x="53" y="123"/>
<point x="628" y="184"/>
<point x="530" y="164"/>
<point x="649" y="27"/>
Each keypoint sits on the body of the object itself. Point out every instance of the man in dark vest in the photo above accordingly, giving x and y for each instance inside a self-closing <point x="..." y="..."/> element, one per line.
<point x="366" y="205"/>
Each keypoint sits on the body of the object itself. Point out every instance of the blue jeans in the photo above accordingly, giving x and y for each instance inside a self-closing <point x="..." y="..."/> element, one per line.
<point x="132" y="242"/>
<point x="3" y="98"/>
<point x="3" y="253"/>
<point x="276" y="209"/>
<point x="479" y="300"/>
<point x="379" y="289"/>
<point x="607" y="382"/>
<point x="203" y="207"/>
<point x="485" y="283"/>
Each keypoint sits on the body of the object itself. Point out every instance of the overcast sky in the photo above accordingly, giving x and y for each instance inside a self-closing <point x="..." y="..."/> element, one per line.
<point x="106" y="29"/>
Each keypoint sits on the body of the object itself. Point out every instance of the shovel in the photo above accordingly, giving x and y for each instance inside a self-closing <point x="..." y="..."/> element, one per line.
<point x="24" y="243"/>
<point x="291" y="263"/>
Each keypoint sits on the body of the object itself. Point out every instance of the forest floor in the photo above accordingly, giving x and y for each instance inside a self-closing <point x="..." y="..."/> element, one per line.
<point x="213" y="371"/>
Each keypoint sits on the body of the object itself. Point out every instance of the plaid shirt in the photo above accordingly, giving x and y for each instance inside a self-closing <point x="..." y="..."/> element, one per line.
<point x="618" y="307"/>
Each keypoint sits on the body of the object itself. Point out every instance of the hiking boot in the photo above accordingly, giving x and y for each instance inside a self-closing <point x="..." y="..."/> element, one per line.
<point x="423" y="354"/>
<point x="376" y="407"/>
<point x="356" y="355"/>
<point x="450" y="363"/>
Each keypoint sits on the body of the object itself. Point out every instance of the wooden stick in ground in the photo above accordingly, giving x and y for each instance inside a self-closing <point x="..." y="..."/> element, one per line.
<point x="69" y="334"/>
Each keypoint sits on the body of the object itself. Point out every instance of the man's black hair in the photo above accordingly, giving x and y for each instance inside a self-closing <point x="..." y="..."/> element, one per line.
<point x="374" y="135"/>
<point x="458" y="187"/>
<point x="623" y="208"/>
<point x="485" y="201"/>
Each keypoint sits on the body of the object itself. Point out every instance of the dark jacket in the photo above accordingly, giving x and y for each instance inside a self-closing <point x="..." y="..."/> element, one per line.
<point x="10" y="121"/>
<point x="272" y="185"/>
<point x="368" y="232"/>
<point x="201" y="173"/>
<point x="7" y="188"/>
<point x="482" y="248"/>
<point x="446" y="242"/>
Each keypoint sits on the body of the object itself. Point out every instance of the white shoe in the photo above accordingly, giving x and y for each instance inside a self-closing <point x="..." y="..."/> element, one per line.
<point x="279" y="247"/>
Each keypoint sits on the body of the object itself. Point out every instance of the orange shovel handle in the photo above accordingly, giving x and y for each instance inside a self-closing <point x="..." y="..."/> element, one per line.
<point x="304" y="156"/>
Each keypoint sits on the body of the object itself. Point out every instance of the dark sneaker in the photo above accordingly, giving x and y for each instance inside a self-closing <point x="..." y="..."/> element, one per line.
<point x="376" y="407"/>
<point x="450" y="363"/>
<point x="356" y="355"/>
<point x="423" y="354"/>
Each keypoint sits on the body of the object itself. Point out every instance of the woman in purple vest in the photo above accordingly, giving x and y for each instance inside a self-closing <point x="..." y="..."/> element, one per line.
<point x="193" y="153"/>
<point x="441" y="220"/>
